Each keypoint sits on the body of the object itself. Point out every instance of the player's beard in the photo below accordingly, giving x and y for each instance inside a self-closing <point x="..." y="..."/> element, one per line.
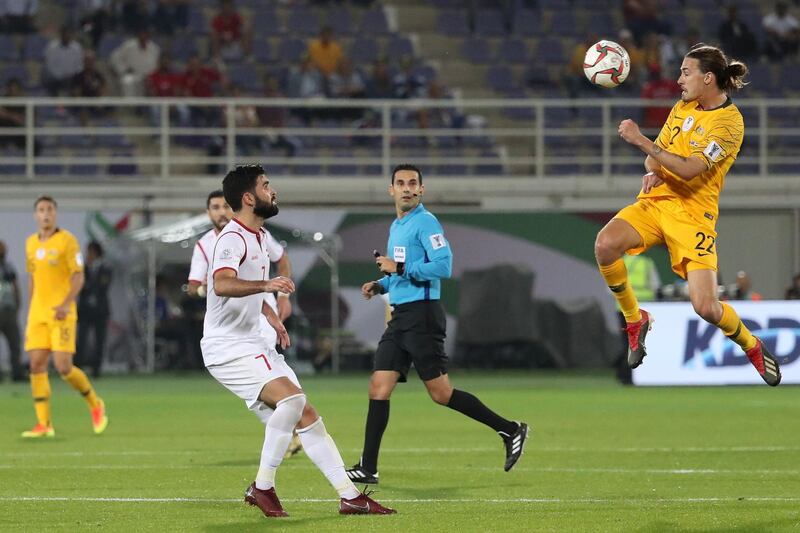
<point x="221" y="223"/>
<point x="265" y="210"/>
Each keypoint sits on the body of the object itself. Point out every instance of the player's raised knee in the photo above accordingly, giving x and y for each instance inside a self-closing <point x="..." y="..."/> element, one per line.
<point x="309" y="415"/>
<point x="606" y="249"/>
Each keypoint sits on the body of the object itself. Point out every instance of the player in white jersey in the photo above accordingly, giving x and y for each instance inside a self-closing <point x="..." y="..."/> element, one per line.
<point x="238" y="356"/>
<point x="219" y="213"/>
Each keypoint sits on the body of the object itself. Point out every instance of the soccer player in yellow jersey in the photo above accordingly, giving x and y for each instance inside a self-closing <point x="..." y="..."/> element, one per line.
<point x="678" y="203"/>
<point x="55" y="265"/>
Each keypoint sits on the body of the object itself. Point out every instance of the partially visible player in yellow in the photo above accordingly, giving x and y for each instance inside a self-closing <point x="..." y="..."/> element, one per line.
<point x="55" y="267"/>
<point x="679" y="202"/>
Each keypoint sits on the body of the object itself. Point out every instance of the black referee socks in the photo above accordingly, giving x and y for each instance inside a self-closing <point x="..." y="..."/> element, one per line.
<point x="466" y="403"/>
<point x="377" y="420"/>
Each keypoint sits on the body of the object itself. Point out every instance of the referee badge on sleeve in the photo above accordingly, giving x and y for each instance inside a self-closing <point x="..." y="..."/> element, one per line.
<point x="714" y="151"/>
<point x="437" y="241"/>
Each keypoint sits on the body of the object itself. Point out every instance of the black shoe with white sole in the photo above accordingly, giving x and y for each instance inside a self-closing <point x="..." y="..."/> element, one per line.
<point x="359" y="474"/>
<point x="514" y="444"/>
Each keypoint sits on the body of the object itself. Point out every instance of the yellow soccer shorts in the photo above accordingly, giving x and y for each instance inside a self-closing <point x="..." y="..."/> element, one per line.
<point x="54" y="335"/>
<point x="691" y="244"/>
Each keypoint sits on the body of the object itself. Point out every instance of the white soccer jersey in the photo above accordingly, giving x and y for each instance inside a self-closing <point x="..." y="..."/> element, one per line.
<point x="232" y="326"/>
<point x="275" y="252"/>
<point x="200" y="263"/>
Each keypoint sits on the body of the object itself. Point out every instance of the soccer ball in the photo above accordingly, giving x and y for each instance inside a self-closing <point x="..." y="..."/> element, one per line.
<point x="606" y="64"/>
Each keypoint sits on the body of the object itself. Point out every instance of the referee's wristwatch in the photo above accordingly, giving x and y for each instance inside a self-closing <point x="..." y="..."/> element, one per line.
<point x="400" y="268"/>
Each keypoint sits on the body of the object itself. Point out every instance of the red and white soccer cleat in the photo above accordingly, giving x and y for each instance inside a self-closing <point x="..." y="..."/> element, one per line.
<point x="266" y="500"/>
<point x="363" y="504"/>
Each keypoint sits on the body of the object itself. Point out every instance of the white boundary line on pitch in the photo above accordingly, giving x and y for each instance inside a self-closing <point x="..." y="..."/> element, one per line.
<point x="408" y="500"/>
<point x="531" y="449"/>
<point x="588" y="470"/>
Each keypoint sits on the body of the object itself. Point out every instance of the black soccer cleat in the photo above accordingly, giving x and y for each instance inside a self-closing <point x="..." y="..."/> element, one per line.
<point x="515" y="443"/>
<point x="359" y="474"/>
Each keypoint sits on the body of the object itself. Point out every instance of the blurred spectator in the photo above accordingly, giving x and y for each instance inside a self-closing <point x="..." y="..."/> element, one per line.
<point x="305" y="81"/>
<point x="575" y="80"/>
<point x="641" y="17"/>
<point x="18" y="15"/>
<point x="63" y="60"/>
<point x="202" y="81"/>
<point x="325" y="52"/>
<point x="135" y="15"/>
<point x="379" y="84"/>
<point x="165" y="82"/>
<point x="783" y="32"/>
<point x="275" y="117"/>
<point x="657" y="50"/>
<point x="637" y="60"/>
<point x="736" y="38"/>
<point x="439" y="117"/>
<point x="95" y="17"/>
<point x="9" y="309"/>
<point x="93" y="309"/>
<point x="89" y="83"/>
<point x="229" y="37"/>
<point x="408" y="83"/>
<point x="245" y="116"/>
<point x="133" y="61"/>
<point x="346" y="82"/>
<point x="793" y="292"/>
<point x="171" y="15"/>
<point x="691" y="38"/>
<point x="658" y="87"/>
<point x="743" y="289"/>
<point x="12" y="116"/>
<point x="171" y="331"/>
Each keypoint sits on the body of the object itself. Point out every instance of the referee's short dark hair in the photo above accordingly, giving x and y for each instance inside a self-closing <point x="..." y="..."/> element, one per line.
<point x="214" y="194"/>
<point x="45" y="199"/>
<point x="238" y="181"/>
<point x="406" y="166"/>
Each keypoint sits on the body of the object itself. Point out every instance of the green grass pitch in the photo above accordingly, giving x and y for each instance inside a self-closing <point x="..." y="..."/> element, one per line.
<point x="180" y="450"/>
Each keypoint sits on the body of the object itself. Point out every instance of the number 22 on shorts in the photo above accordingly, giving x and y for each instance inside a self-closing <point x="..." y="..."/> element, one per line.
<point x="264" y="357"/>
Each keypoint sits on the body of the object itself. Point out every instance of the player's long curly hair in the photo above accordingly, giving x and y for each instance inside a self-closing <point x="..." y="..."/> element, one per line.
<point x="730" y="73"/>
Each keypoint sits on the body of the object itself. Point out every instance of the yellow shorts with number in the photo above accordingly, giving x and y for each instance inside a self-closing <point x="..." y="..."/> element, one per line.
<point x="55" y="335"/>
<point x="691" y="244"/>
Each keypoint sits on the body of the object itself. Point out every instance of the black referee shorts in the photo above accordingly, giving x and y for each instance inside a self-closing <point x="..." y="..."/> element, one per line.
<point x="415" y="334"/>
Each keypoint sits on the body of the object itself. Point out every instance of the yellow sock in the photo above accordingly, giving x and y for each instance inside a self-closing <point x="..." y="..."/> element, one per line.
<point x="80" y="383"/>
<point x="616" y="276"/>
<point x="40" y="388"/>
<point x="733" y="328"/>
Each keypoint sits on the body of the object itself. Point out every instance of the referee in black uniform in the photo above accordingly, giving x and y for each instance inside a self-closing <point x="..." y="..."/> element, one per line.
<point x="418" y="258"/>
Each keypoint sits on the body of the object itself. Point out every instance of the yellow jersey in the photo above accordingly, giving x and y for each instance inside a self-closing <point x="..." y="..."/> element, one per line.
<point x="51" y="264"/>
<point x="715" y="136"/>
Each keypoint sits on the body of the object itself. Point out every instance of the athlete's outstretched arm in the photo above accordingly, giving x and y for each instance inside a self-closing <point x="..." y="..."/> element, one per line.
<point x="227" y="284"/>
<point x="687" y="168"/>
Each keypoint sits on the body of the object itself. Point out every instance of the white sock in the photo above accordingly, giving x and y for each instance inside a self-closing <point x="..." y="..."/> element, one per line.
<point x="263" y="413"/>
<point x="322" y="451"/>
<point x="277" y="435"/>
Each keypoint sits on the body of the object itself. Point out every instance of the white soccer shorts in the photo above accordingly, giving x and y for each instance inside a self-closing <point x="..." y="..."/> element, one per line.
<point x="247" y="375"/>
